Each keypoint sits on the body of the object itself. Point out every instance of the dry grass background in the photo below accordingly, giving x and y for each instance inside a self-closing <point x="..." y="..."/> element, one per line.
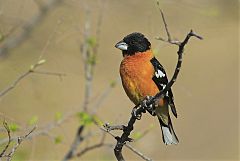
<point x="206" y="92"/>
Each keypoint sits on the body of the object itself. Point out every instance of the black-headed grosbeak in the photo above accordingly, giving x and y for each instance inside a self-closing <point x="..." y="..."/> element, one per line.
<point x="142" y="75"/>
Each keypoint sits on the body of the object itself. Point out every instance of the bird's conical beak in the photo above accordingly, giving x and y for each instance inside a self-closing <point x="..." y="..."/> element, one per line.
<point x="122" y="45"/>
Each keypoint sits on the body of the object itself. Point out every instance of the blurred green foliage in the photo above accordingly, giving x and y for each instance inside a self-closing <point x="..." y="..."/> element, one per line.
<point x="13" y="127"/>
<point x="85" y="118"/>
<point x="33" y="121"/>
<point x="92" y="59"/>
<point x="20" y="155"/>
<point x="137" y="135"/>
<point x="98" y="120"/>
<point x="58" y="139"/>
<point x="1" y="37"/>
<point x="92" y="41"/>
<point x="58" y="116"/>
<point x="113" y="83"/>
<point x="42" y="61"/>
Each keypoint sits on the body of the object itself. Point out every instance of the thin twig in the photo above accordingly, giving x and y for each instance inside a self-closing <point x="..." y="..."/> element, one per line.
<point x="101" y="98"/>
<point x="86" y="54"/>
<point x="19" y="141"/>
<point x="9" y="138"/>
<point x="12" y="42"/>
<point x="99" y="25"/>
<point x="15" y="146"/>
<point x="45" y="129"/>
<point x="25" y="74"/>
<point x="50" y="37"/>
<point x="60" y="75"/>
<point x="100" y="144"/>
<point x="116" y="127"/>
<point x="78" y="139"/>
<point x="126" y="144"/>
<point x="89" y="52"/>
<point x="5" y="91"/>
<point x="144" y="157"/>
<point x="165" y="24"/>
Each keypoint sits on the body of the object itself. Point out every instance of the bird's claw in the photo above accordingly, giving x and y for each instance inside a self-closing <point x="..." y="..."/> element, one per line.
<point x="149" y="108"/>
<point x="135" y="114"/>
<point x="144" y="106"/>
<point x="130" y="139"/>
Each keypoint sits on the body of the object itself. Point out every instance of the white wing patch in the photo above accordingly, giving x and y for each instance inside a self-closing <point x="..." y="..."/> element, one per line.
<point x="159" y="73"/>
<point x="163" y="85"/>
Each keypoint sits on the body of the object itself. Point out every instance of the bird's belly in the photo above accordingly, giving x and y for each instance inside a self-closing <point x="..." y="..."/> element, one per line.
<point x="137" y="87"/>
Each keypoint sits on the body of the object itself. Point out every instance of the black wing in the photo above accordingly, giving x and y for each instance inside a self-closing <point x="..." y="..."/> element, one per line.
<point x="160" y="79"/>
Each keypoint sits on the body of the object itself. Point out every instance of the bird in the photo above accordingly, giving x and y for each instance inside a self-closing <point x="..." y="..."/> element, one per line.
<point x="142" y="76"/>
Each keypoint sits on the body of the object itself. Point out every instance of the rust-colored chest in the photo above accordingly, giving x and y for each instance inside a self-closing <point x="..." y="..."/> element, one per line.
<point x="136" y="73"/>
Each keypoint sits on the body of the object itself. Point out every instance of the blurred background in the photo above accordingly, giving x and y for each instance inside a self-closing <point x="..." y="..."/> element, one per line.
<point x="206" y="92"/>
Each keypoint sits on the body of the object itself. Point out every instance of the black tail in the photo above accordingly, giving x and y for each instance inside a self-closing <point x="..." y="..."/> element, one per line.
<point x="168" y="134"/>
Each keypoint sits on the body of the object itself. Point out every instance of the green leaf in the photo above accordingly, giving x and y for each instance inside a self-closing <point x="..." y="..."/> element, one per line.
<point x="32" y="67"/>
<point x="58" y="139"/>
<point x="58" y="116"/>
<point x="21" y="155"/>
<point x="113" y="84"/>
<point x="13" y="127"/>
<point x="92" y="41"/>
<point x="151" y="126"/>
<point x="1" y="37"/>
<point x="155" y="52"/>
<point x="98" y="121"/>
<point x="33" y="121"/>
<point x="85" y="118"/>
<point x="42" y="61"/>
<point x="92" y="59"/>
<point x="137" y="135"/>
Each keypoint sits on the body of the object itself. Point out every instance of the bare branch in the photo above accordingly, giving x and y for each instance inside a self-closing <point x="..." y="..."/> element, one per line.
<point x="5" y="91"/>
<point x="15" y="146"/>
<point x="9" y="138"/>
<point x="100" y="144"/>
<point x="50" y="37"/>
<point x="102" y="4"/>
<point x="169" y="39"/>
<point x="12" y="42"/>
<point x="78" y="139"/>
<point x="19" y="141"/>
<point x="45" y="130"/>
<point x="89" y="53"/>
<point x="30" y="71"/>
<point x="110" y="128"/>
<point x="144" y="157"/>
<point x="100" y="99"/>
<point x="60" y="75"/>
<point x="126" y="144"/>
<point x="165" y="24"/>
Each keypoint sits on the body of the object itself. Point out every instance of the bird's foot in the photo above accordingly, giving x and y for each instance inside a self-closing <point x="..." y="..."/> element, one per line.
<point x="136" y="114"/>
<point x="150" y="108"/>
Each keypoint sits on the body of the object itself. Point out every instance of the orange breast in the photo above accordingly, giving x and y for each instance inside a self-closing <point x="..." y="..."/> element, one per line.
<point x="136" y="73"/>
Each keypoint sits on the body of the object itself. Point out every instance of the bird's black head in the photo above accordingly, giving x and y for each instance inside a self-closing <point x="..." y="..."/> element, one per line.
<point x="133" y="43"/>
